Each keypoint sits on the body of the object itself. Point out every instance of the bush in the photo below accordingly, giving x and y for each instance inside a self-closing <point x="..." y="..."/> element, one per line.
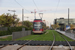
<point x="13" y="29"/>
<point x="4" y="33"/>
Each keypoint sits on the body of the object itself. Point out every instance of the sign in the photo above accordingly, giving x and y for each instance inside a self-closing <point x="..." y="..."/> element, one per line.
<point x="67" y="27"/>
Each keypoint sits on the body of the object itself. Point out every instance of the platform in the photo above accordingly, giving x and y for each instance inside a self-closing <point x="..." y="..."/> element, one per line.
<point x="70" y="35"/>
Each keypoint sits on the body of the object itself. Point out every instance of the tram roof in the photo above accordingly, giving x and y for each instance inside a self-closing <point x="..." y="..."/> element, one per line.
<point x="38" y="19"/>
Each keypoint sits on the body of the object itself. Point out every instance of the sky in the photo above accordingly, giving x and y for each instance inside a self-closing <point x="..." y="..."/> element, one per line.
<point x="51" y="9"/>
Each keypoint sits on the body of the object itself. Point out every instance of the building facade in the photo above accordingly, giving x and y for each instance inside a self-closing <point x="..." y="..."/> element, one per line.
<point x="63" y="22"/>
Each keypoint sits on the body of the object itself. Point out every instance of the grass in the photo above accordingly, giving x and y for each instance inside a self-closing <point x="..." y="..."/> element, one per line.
<point x="46" y="37"/>
<point x="9" y="38"/>
<point x="29" y="37"/>
<point x="59" y="38"/>
<point x="43" y="37"/>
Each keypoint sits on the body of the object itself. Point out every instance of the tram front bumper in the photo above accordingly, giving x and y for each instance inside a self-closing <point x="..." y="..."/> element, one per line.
<point x="37" y="31"/>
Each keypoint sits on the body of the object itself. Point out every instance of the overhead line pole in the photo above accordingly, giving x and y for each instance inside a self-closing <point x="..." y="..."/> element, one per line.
<point x="68" y="16"/>
<point x="22" y="17"/>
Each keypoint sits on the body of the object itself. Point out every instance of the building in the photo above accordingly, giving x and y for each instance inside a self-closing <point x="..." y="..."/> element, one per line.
<point x="63" y="22"/>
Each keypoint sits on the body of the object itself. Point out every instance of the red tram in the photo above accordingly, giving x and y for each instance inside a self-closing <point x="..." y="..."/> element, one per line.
<point x="37" y="26"/>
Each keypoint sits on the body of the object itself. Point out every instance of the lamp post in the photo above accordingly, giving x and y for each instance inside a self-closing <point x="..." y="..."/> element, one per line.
<point x="13" y="11"/>
<point x="68" y="17"/>
<point x="13" y="15"/>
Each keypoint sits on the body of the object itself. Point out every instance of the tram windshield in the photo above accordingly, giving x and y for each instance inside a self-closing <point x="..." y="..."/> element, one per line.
<point x="37" y="25"/>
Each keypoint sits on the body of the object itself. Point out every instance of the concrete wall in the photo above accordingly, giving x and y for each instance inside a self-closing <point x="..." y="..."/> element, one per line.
<point x="16" y="35"/>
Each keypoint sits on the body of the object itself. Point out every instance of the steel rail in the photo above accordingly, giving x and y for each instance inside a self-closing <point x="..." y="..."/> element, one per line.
<point x="53" y="42"/>
<point x="67" y="42"/>
<point x="27" y="43"/>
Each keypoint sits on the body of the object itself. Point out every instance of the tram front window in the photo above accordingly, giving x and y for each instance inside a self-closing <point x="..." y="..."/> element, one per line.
<point x="37" y="25"/>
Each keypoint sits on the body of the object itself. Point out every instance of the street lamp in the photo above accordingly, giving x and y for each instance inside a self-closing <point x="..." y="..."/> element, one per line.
<point x="14" y="12"/>
<point x="13" y="15"/>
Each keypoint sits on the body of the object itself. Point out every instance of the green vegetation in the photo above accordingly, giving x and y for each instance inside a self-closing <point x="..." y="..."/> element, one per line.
<point x="7" y="20"/>
<point x="13" y="29"/>
<point x="29" y="37"/>
<point x="59" y="38"/>
<point x="9" y="38"/>
<point x="46" y="37"/>
<point x="28" y="24"/>
<point x="55" y="26"/>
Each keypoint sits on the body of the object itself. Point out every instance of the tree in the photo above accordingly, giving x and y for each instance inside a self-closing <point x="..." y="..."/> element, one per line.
<point x="27" y="24"/>
<point x="44" y="26"/>
<point x="52" y="26"/>
<point x="16" y="22"/>
<point x="72" y="26"/>
<point x="6" y="20"/>
<point x="55" y="26"/>
<point x="47" y="27"/>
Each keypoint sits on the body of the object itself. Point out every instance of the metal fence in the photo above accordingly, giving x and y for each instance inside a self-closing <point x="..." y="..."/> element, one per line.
<point x="16" y="35"/>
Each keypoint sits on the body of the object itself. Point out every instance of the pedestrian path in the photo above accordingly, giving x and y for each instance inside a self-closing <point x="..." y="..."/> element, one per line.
<point x="70" y="35"/>
<point x="5" y="36"/>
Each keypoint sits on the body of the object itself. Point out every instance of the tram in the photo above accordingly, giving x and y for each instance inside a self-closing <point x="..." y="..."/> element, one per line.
<point x="37" y="26"/>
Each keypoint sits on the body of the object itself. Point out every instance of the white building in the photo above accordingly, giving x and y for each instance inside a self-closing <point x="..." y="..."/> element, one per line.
<point x="64" y="21"/>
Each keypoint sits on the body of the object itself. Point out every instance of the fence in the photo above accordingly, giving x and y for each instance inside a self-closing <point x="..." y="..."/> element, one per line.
<point x="16" y="35"/>
<point x="3" y="28"/>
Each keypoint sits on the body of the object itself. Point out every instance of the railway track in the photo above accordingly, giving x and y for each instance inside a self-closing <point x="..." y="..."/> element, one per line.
<point x="53" y="42"/>
<point x="66" y="41"/>
<point x="63" y="38"/>
<point x="26" y="42"/>
<point x="17" y="41"/>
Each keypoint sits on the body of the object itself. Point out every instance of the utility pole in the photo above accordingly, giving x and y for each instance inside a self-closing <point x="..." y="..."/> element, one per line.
<point x="22" y="17"/>
<point x="68" y="16"/>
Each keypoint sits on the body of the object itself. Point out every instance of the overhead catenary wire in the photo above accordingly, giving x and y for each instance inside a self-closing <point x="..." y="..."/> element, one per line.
<point x="57" y="7"/>
<point x="35" y="5"/>
<point x="20" y="5"/>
